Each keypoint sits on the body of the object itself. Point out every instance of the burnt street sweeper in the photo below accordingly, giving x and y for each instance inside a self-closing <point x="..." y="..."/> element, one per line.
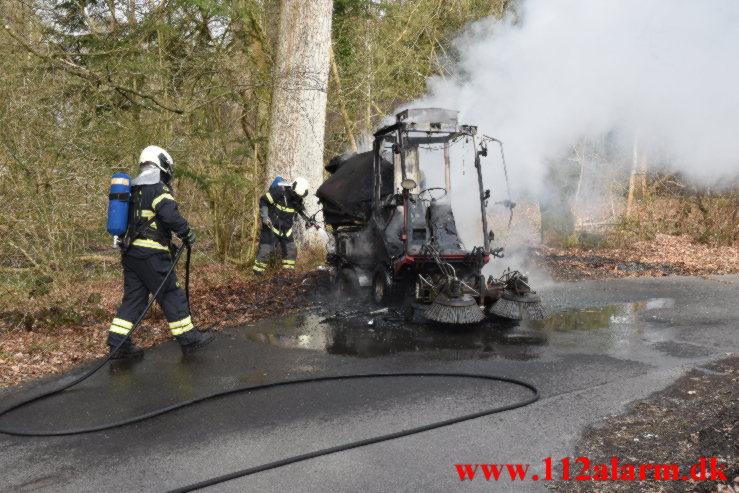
<point x="390" y="213"/>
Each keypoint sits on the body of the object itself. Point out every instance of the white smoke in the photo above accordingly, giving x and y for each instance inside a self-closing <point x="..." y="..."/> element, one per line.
<point x="560" y="71"/>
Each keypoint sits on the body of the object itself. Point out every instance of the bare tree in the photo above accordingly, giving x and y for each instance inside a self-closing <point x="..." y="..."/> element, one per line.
<point x="637" y="179"/>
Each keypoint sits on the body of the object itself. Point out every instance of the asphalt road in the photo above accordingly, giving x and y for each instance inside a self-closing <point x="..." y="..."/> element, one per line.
<point x="609" y="343"/>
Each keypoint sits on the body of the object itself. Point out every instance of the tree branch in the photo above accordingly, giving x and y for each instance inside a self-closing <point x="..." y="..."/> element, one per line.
<point x="86" y="74"/>
<point x="342" y="104"/>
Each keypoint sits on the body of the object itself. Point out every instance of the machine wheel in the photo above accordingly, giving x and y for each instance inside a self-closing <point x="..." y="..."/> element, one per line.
<point x="382" y="287"/>
<point x="347" y="283"/>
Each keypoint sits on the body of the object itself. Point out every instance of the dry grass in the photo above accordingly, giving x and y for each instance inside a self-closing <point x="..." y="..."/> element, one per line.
<point x="712" y="220"/>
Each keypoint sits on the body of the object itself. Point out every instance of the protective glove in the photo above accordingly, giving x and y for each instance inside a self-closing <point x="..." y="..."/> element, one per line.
<point x="190" y="238"/>
<point x="267" y="222"/>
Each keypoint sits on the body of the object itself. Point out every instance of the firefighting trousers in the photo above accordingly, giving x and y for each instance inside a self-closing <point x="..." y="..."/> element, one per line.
<point x="142" y="276"/>
<point x="268" y="241"/>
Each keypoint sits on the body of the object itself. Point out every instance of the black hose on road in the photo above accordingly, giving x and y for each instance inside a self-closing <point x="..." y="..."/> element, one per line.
<point x="359" y="443"/>
<point x="298" y="458"/>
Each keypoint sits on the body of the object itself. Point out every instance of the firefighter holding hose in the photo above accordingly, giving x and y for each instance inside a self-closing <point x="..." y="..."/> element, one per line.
<point x="278" y="209"/>
<point x="153" y="217"/>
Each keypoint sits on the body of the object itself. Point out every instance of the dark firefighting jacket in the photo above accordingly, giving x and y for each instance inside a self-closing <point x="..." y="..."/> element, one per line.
<point x="282" y="206"/>
<point x="153" y="218"/>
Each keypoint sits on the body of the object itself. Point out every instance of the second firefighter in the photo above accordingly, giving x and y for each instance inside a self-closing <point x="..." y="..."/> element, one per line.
<point x="278" y="209"/>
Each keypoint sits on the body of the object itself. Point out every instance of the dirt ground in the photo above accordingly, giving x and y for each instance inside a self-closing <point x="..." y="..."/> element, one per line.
<point x="697" y="416"/>
<point x="666" y="255"/>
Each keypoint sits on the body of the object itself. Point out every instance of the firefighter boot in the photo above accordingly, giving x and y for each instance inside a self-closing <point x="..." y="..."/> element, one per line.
<point x="192" y="340"/>
<point x="127" y="350"/>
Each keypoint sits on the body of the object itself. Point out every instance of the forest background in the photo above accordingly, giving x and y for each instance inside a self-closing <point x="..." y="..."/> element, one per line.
<point x="82" y="91"/>
<point x="86" y="84"/>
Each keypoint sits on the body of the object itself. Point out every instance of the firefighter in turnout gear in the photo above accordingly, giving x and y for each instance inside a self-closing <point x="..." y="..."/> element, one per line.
<point x="153" y="218"/>
<point x="278" y="209"/>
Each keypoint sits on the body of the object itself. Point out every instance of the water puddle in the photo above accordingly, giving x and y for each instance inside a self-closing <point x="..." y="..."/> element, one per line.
<point x="577" y="319"/>
<point x="375" y="337"/>
<point x="598" y="329"/>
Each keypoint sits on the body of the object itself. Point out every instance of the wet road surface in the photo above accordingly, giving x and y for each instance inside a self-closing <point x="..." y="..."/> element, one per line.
<point x="608" y="343"/>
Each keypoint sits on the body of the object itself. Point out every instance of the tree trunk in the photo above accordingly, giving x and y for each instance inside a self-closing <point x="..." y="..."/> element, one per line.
<point x="643" y="183"/>
<point x="298" y="117"/>
<point x="632" y="179"/>
<point x="638" y="189"/>
<point x="131" y="11"/>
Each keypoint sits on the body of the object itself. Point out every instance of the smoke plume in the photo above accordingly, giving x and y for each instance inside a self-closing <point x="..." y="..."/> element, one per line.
<point x="663" y="73"/>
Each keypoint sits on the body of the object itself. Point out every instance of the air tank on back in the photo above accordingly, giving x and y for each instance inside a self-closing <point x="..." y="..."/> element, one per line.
<point x="118" y="200"/>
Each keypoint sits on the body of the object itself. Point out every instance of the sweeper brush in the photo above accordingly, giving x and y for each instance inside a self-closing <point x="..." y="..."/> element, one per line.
<point x="454" y="307"/>
<point x="518" y="308"/>
<point x="518" y="301"/>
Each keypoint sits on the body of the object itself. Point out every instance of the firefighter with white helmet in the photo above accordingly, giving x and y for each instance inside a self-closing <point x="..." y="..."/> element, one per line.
<point x="278" y="209"/>
<point x="152" y="219"/>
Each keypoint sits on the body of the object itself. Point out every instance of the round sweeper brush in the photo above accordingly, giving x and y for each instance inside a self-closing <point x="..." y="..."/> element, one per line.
<point x="450" y="309"/>
<point x="519" y="307"/>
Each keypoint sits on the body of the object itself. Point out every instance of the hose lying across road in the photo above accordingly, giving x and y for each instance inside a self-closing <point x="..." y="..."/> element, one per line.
<point x="250" y="388"/>
<point x="368" y="441"/>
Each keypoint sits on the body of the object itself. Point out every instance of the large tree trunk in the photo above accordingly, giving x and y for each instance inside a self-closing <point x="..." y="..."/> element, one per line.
<point x="299" y="98"/>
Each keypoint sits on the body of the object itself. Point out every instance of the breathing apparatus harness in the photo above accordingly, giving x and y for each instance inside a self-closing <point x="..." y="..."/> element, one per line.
<point x="276" y="226"/>
<point x="144" y="230"/>
<point x="119" y="213"/>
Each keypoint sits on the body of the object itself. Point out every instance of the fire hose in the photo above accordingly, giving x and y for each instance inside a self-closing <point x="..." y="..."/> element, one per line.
<point x="250" y="388"/>
<point x="89" y="373"/>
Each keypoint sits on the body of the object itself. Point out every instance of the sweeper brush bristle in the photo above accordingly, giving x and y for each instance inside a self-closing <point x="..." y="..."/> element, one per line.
<point x="446" y="314"/>
<point x="519" y="310"/>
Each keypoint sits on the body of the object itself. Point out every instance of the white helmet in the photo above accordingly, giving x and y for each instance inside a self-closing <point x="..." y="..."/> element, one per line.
<point x="300" y="187"/>
<point x="158" y="157"/>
